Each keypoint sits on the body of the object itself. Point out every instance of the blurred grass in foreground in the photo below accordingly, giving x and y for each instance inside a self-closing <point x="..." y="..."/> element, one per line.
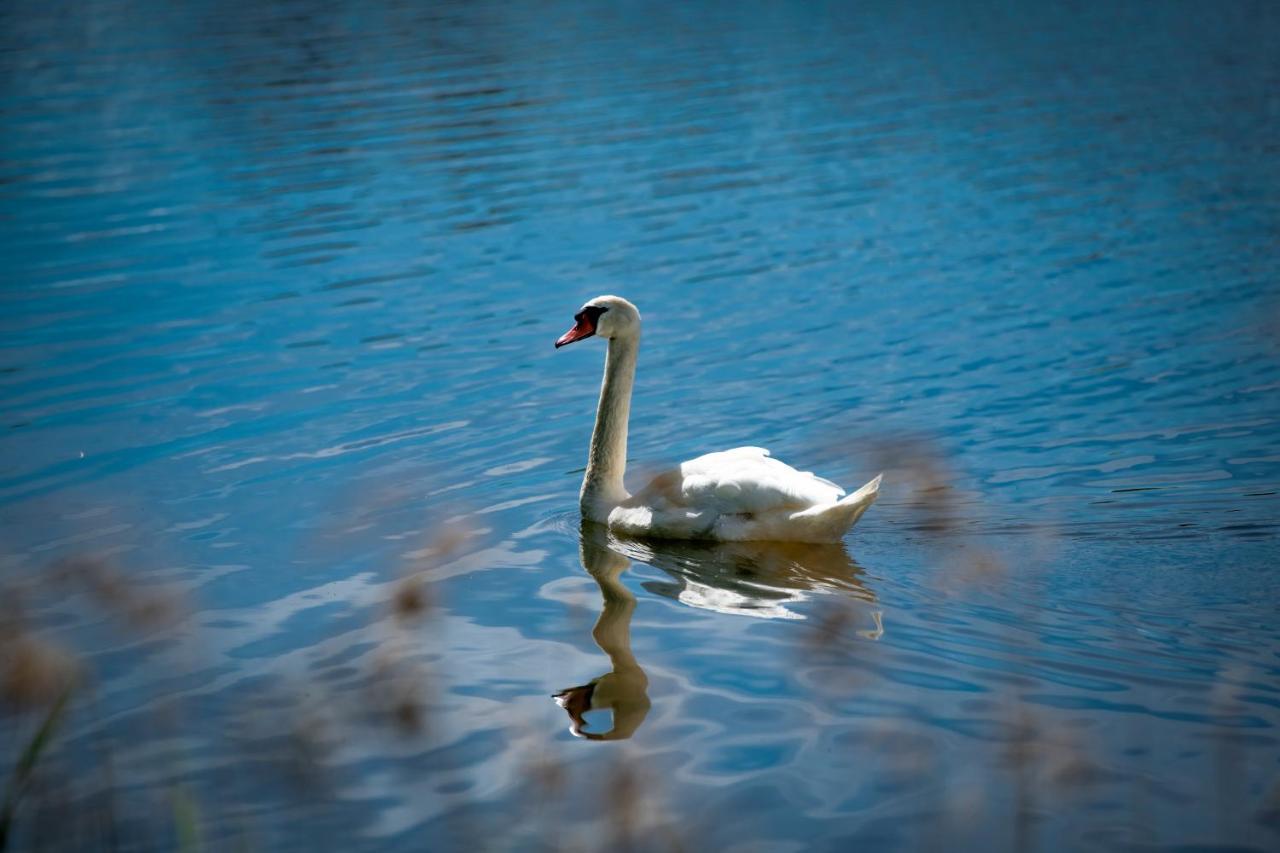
<point x="66" y="789"/>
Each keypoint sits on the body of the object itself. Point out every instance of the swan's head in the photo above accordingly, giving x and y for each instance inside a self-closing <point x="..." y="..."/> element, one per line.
<point x="606" y="317"/>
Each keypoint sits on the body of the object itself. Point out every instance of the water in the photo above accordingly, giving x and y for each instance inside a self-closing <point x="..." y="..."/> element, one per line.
<point x="281" y="286"/>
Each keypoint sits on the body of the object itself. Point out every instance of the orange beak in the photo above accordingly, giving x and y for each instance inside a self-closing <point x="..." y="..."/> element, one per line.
<point x="585" y="327"/>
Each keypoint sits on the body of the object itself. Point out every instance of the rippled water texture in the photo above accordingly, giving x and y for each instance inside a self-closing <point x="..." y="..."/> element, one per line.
<point x="280" y="286"/>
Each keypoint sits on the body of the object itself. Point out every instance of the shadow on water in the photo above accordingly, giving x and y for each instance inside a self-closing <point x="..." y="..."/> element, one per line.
<point x="742" y="578"/>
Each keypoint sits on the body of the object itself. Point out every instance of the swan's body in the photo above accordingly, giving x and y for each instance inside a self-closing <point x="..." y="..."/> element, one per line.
<point x="734" y="495"/>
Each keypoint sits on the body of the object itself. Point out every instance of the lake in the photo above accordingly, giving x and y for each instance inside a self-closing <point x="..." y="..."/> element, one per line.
<point x="290" y="467"/>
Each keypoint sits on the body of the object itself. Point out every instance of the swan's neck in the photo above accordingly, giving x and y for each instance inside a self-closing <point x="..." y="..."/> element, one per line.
<point x="602" y="488"/>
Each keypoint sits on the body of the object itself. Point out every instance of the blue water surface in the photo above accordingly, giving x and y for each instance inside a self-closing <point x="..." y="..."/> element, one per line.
<point x="281" y="286"/>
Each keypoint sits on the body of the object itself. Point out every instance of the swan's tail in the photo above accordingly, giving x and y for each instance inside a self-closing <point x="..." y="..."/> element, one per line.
<point x="830" y="522"/>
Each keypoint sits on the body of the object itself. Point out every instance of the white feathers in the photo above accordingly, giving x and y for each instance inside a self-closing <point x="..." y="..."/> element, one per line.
<point x="748" y="480"/>
<point x="741" y="495"/>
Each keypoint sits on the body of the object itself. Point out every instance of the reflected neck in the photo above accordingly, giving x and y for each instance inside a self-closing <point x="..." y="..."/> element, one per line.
<point x="602" y="487"/>
<point x="612" y="632"/>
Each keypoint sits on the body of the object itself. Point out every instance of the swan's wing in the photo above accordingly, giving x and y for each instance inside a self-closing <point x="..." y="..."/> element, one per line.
<point x="741" y="495"/>
<point x="748" y="480"/>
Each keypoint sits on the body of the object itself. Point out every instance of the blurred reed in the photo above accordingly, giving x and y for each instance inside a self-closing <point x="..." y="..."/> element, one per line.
<point x="66" y="788"/>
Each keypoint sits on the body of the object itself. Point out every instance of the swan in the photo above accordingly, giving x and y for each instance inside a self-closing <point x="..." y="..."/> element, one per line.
<point x="739" y="495"/>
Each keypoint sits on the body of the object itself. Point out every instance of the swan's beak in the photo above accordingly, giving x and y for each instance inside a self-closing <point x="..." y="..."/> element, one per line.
<point x="577" y="701"/>
<point x="583" y="328"/>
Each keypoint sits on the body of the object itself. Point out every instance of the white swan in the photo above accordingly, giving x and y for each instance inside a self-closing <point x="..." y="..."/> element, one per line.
<point x="734" y="495"/>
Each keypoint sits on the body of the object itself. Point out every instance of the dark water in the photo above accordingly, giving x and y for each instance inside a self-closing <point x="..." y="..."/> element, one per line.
<point x="281" y="283"/>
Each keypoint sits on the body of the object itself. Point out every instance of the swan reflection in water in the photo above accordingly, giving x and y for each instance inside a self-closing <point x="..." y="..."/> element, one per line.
<point x="747" y="578"/>
<point x="624" y="689"/>
<point x="750" y="578"/>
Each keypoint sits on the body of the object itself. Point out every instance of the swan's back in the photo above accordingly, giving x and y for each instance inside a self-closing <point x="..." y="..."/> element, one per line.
<point x="749" y="480"/>
<point x="741" y="495"/>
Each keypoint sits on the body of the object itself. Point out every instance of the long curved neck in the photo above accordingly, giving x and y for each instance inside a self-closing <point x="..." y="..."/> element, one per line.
<point x="602" y="487"/>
